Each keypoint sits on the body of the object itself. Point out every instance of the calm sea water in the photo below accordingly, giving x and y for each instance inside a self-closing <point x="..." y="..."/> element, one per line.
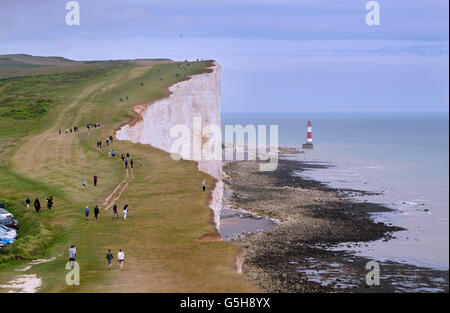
<point x="403" y="155"/>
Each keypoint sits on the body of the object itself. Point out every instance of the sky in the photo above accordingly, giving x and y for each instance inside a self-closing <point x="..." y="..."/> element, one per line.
<point x="276" y="55"/>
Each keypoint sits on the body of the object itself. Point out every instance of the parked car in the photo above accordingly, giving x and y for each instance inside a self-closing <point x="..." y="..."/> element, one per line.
<point x="7" y="241"/>
<point x="9" y="222"/>
<point x="6" y="232"/>
<point x="5" y="214"/>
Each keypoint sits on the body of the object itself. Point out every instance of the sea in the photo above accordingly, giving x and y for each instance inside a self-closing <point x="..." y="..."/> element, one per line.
<point x="401" y="158"/>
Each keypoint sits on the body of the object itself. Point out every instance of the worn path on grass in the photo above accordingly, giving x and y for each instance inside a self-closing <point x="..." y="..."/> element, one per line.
<point x="169" y="212"/>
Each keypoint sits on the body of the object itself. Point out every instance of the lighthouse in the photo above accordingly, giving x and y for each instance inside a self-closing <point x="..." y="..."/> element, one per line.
<point x="309" y="143"/>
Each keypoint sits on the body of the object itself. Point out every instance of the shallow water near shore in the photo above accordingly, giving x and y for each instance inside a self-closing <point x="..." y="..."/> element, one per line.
<point x="400" y="159"/>
<point x="235" y="222"/>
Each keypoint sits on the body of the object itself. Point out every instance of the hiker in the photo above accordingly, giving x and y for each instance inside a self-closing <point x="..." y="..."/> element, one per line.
<point x="83" y="184"/>
<point x="95" y="180"/>
<point x="27" y="201"/>
<point x="128" y="155"/>
<point x="96" y="211"/>
<point x="120" y="258"/>
<point x="131" y="163"/>
<point x="126" y="163"/>
<point x="125" y="211"/>
<point x="109" y="154"/>
<point x="86" y="212"/>
<point x="113" y="153"/>
<point x="59" y="130"/>
<point x="67" y="130"/>
<point x="71" y="130"/>
<point x="49" y="203"/>
<point x="72" y="255"/>
<point x="37" y="205"/>
<point x="100" y="144"/>
<point x="204" y="185"/>
<point x="123" y="157"/>
<point x="109" y="258"/>
<point x="115" y="211"/>
<point x="111" y="138"/>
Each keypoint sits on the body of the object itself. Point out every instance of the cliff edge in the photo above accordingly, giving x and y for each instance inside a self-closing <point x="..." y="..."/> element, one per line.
<point x="199" y="98"/>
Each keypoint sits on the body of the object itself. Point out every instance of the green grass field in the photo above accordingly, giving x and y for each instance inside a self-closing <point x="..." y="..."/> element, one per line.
<point x="168" y="212"/>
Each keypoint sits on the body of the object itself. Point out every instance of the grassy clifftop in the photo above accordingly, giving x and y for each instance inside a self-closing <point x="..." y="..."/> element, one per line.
<point x="168" y="212"/>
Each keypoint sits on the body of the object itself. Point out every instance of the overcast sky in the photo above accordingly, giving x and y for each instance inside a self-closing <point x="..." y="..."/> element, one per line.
<point x="276" y="55"/>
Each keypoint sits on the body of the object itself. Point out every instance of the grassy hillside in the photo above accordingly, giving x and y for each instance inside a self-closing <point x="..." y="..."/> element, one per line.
<point x="168" y="212"/>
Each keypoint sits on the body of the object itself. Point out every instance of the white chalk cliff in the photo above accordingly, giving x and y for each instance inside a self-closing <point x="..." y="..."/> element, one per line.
<point x="197" y="97"/>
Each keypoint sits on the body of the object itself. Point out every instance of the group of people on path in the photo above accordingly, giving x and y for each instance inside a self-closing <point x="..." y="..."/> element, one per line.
<point x="109" y="257"/>
<point x="93" y="125"/>
<point x="126" y="160"/>
<point x="69" y="130"/>
<point x="37" y="204"/>
<point x="115" y="214"/>
<point x="108" y="140"/>
<point x="87" y="211"/>
<point x="84" y="183"/>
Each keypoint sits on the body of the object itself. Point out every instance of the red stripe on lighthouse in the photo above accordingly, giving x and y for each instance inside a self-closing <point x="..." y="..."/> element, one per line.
<point x="309" y="136"/>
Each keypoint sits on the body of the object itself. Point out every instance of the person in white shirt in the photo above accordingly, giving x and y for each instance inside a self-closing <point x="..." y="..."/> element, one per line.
<point x="120" y="258"/>
<point x="125" y="211"/>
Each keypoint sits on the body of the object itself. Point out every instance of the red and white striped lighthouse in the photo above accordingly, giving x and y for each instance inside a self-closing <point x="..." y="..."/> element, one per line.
<point x="309" y="143"/>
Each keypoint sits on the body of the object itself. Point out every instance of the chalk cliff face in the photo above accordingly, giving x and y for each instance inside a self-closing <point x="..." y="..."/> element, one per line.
<point x="198" y="97"/>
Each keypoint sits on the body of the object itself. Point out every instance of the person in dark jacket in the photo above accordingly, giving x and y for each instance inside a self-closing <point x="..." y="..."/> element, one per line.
<point x="95" y="180"/>
<point x="96" y="211"/>
<point x="49" y="203"/>
<point x="28" y="201"/>
<point x="37" y="205"/>
<point x="115" y="211"/>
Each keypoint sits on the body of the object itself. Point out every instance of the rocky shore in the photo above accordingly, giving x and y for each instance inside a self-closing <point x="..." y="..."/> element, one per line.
<point x="298" y="254"/>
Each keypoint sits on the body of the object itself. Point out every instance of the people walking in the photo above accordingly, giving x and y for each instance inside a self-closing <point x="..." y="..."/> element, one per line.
<point x="115" y="211"/>
<point x="123" y="157"/>
<point x="28" y="201"/>
<point x="109" y="258"/>
<point x="49" y="203"/>
<point x="86" y="212"/>
<point x="83" y="184"/>
<point x="125" y="211"/>
<point x="131" y="163"/>
<point x="95" y="180"/>
<point x="120" y="258"/>
<point x="204" y="185"/>
<point x="126" y="163"/>
<point x="96" y="211"/>
<point x="37" y="205"/>
<point x="72" y="255"/>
